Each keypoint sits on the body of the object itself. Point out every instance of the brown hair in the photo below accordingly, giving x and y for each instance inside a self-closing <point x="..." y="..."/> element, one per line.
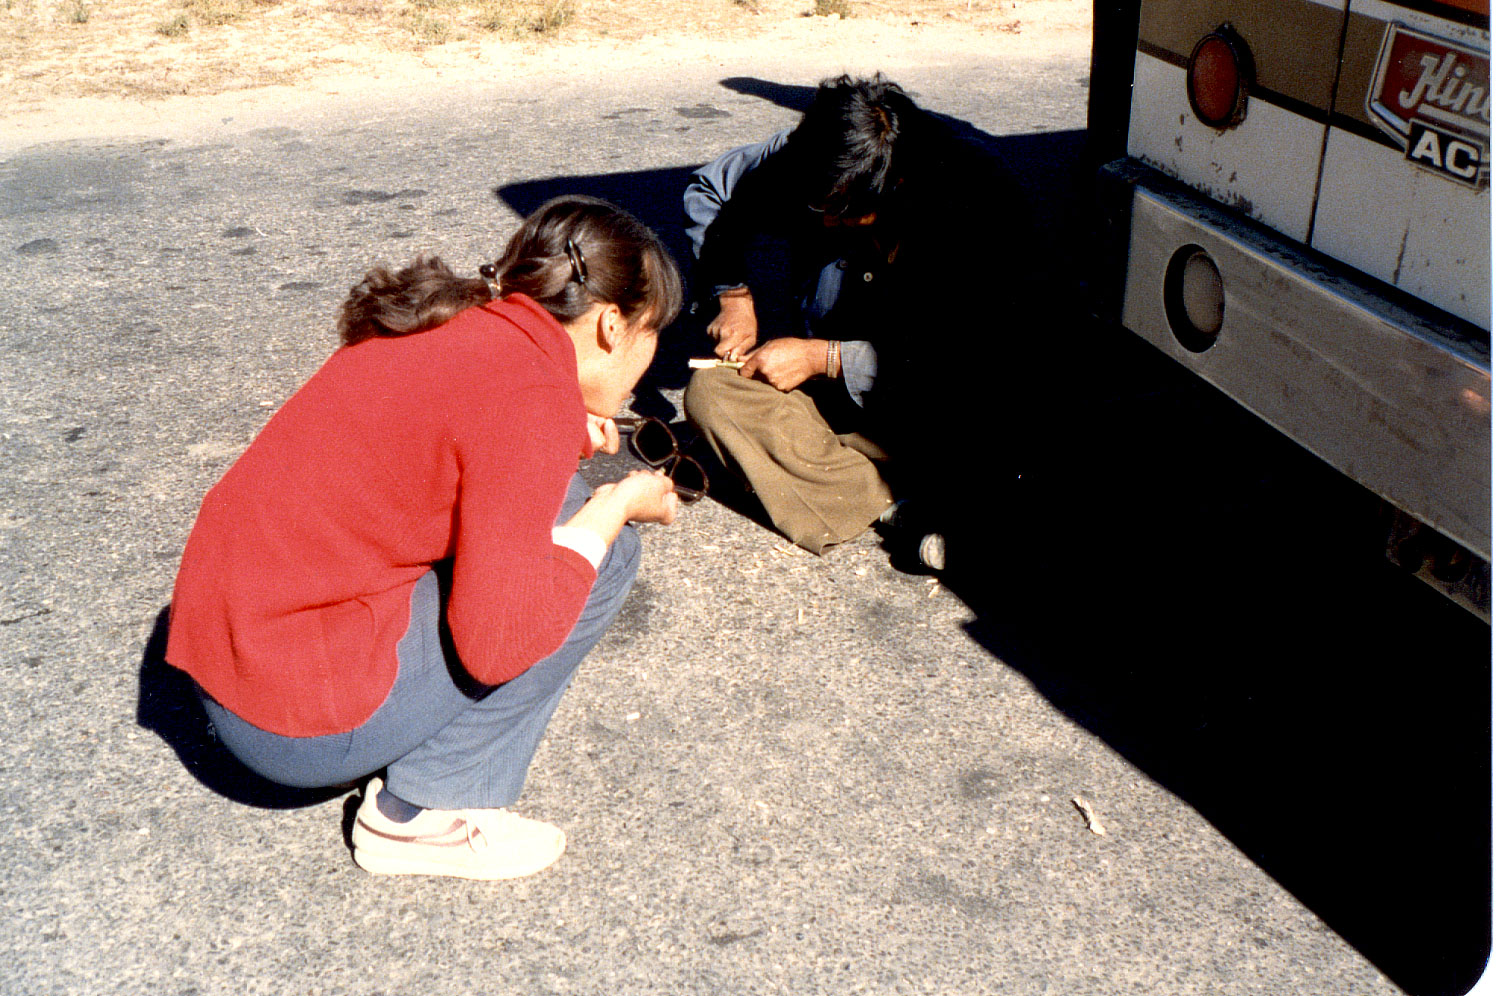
<point x="570" y="253"/>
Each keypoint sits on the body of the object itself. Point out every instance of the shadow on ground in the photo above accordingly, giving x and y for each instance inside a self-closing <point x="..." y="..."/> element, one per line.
<point x="1205" y="599"/>
<point x="1202" y="596"/>
<point x="1179" y="581"/>
<point x="168" y="705"/>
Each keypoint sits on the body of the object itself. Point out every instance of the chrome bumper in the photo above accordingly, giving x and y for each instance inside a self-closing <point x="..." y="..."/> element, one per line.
<point x="1392" y="395"/>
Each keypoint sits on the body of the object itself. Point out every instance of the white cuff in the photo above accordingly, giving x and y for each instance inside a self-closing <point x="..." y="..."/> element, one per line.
<point x="585" y="542"/>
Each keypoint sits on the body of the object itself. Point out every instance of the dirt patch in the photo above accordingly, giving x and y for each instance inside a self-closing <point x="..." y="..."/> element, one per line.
<point x="145" y="49"/>
<point x="101" y="69"/>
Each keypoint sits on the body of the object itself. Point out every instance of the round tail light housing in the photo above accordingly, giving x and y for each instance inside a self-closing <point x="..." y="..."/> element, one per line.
<point x="1219" y="76"/>
<point x="1193" y="293"/>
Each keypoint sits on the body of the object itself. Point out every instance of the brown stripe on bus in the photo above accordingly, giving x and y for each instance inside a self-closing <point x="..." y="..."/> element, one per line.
<point x="1361" y="52"/>
<point x="1295" y="43"/>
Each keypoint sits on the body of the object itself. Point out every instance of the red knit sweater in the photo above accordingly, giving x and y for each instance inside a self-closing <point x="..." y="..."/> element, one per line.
<point x="457" y="442"/>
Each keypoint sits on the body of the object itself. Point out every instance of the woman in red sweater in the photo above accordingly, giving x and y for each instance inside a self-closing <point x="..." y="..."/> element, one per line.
<point x="404" y="569"/>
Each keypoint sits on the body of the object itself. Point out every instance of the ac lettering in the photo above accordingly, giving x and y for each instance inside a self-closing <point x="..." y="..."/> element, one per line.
<point x="1470" y="168"/>
<point x="1429" y="148"/>
<point x="1446" y="153"/>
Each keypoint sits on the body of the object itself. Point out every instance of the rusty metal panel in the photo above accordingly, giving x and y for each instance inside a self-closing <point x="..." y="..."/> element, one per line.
<point x="1266" y="168"/>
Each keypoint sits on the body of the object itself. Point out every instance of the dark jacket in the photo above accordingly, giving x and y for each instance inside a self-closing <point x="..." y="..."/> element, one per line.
<point x="938" y="286"/>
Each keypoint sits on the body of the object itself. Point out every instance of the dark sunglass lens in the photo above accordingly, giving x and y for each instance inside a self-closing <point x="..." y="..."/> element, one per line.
<point x="689" y="479"/>
<point x="653" y="443"/>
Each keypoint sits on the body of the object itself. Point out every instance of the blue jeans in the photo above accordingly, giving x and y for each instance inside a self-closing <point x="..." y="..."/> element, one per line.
<point x="445" y="743"/>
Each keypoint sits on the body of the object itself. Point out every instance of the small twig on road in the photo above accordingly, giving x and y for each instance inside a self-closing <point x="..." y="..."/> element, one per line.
<point x="1088" y="815"/>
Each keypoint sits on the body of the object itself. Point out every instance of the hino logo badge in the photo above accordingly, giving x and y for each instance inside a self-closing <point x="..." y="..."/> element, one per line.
<point x="1433" y="97"/>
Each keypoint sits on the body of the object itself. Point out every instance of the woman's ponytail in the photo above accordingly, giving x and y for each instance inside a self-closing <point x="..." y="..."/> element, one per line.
<point x="421" y="295"/>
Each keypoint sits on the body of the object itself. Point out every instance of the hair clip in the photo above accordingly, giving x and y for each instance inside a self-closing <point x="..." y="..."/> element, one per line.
<point x="580" y="268"/>
<point x="490" y="272"/>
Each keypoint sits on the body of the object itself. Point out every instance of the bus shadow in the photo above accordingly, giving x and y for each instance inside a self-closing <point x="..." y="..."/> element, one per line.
<point x="1212" y="603"/>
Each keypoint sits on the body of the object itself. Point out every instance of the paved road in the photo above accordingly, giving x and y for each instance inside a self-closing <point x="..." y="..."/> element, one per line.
<point x="779" y="774"/>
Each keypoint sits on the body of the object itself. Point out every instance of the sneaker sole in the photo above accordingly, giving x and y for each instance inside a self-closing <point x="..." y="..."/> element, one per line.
<point x="386" y="864"/>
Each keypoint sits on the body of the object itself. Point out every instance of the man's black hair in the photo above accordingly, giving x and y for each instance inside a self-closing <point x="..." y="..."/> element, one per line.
<point x="850" y="143"/>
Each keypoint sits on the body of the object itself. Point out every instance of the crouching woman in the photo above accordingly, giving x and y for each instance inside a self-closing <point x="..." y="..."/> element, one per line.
<point x="404" y="569"/>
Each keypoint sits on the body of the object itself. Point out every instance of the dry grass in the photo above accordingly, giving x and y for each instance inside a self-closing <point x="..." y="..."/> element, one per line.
<point x="174" y="27"/>
<point x="437" y="22"/>
<point x="152" y="48"/>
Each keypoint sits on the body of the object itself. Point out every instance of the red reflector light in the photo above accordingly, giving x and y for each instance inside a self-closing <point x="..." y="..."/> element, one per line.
<point x="1218" y="78"/>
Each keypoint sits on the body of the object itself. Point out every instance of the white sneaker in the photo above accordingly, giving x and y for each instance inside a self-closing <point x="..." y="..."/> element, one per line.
<point x="465" y="843"/>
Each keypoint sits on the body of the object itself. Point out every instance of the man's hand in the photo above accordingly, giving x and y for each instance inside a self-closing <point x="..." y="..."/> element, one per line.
<point x="785" y="363"/>
<point x="735" y="327"/>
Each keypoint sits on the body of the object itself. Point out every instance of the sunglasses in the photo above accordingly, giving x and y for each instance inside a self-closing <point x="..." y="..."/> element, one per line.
<point x="654" y="445"/>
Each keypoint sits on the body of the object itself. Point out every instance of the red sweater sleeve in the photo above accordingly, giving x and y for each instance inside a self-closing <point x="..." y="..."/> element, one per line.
<point x="516" y="595"/>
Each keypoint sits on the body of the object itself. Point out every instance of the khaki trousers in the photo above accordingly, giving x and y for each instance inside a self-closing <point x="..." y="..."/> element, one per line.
<point x="818" y="487"/>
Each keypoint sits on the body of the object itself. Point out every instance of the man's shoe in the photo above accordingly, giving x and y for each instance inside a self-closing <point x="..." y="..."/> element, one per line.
<point x="932" y="552"/>
<point x="891" y="514"/>
<point x="464" y="843"/>
<point x="914" y="548"/>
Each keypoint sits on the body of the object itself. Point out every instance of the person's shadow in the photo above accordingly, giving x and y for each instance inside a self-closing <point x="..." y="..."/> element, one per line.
<point x="167" y="704"/>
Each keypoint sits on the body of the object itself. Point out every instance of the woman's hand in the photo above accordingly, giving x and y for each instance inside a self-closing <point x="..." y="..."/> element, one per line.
<point x="646" y="496"/>
<point x="604" y="435"/>
<point x="735" y="326"/>
<point x="641" y="496"/>
<point x="786" y="363"/>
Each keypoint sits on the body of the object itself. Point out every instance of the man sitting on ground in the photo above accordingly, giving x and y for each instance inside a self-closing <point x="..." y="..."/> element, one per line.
<point x="858" y="390"/>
